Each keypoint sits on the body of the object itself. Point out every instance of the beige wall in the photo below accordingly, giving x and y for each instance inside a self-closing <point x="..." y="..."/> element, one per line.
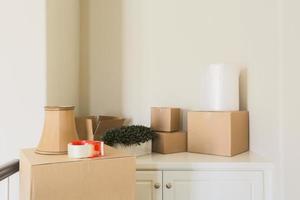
<point x="63" y="52"/>
<point x="22" y="80"/>
<point x="139" y="53"/>
<point x="290" y="98"/>
<point x="101" y="59"/>
<point x="129" y="55"/>
<point x="39" y="64"/>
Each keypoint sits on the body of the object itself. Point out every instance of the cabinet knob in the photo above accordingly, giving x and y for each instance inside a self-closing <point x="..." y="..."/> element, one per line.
<point x="169" y="185"/>
<point x="156" y="185"/>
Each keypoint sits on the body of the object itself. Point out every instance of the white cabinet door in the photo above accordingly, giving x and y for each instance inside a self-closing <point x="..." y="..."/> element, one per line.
<point x="148" y="185"/>
<point x="213" y="185"/>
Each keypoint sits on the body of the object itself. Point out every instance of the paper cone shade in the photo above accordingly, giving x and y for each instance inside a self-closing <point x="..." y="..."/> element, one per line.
<point x="59" y="130"/>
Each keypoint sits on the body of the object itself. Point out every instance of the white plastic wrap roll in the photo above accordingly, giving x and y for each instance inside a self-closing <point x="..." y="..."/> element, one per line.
<point x="220" y="88"/>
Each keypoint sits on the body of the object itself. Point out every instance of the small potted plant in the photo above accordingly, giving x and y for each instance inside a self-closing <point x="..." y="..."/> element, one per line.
<point x="135" y="139"/>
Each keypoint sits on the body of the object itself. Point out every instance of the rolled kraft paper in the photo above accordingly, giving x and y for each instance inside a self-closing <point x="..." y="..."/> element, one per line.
<point x="220" y="88"/>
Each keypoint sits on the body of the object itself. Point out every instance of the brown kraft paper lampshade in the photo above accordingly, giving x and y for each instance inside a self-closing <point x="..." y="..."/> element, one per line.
<point x="59" y="130"/>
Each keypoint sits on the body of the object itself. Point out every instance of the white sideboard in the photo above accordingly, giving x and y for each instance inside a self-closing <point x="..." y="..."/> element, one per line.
<point x="189" y="176"/>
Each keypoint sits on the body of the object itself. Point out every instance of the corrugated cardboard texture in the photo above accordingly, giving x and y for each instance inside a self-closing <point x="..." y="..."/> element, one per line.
<point x="165" y="119"/>
<point x="60" y="178"/>
<point x="218" y="133"/>
<point x="165" y="143"/>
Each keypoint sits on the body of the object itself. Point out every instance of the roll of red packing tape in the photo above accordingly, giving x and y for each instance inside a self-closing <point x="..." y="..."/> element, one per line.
<point x="85" y="149"/>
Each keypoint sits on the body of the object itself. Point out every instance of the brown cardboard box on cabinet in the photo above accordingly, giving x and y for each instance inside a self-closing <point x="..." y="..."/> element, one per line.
<point x="57" y="177"/>
<point x="218" y="133"/>
<point x="165" y="119"/>
<point x="165" y="143"/>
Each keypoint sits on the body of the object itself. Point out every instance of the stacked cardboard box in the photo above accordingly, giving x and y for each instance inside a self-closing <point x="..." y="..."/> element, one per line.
<point x="169" y="139"/>
<point x="224" y="133"/>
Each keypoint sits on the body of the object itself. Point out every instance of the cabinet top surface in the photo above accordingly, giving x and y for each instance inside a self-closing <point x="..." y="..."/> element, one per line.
<point x="193" y="161"/>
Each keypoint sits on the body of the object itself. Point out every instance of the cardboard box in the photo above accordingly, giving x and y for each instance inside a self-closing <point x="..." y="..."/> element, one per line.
<point x="108" y="122"/>
<point x="165" y="119"/>
<point x="93" y="127"/>
<point x="165" y="143"/>
<point x="82" y="126"/>
<point x="58" y="177"/>
<point x="218" y="133"/>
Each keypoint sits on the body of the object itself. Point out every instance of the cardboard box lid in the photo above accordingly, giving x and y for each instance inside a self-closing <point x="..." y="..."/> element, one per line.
<point x="38" y="159"/>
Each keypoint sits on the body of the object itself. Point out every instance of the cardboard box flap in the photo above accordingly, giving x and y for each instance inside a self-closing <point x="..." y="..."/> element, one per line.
<point x="81" y="124"/>
<point x="108" y="122"/>
<point x="90" y="126"/>
<point x="38" y="159"/>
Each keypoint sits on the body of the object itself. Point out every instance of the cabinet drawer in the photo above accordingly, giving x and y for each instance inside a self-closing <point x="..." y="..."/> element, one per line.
<point x="213" y="185"/>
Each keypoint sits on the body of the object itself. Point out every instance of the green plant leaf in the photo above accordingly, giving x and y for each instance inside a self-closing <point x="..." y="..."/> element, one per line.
<point x="128" y="135"/>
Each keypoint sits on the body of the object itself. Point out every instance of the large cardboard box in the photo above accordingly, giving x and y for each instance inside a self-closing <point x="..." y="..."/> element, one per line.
<point x="57" y="177"/>
<point x="165" y="119"/>
<point x="166" y="143"/>
<point x="218" y="133"/>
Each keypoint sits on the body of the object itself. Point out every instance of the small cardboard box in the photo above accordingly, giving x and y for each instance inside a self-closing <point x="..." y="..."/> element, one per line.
<point x="93" y="127"/>
<point x="165" y="143"/>
<point x="82" y="124"/>
<point x="218" y="133"/>
<point x="44" y="177"/>
<point x="165" y="119"/>
<point x="108" y="122"/>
